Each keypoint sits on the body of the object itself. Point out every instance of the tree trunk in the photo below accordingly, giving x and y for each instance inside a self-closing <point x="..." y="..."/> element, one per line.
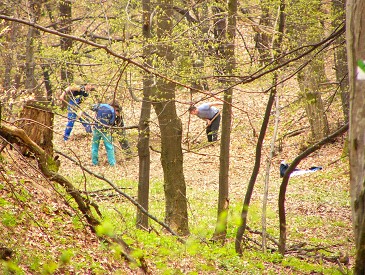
<point x="144" y="131"/>
<point x="302" y="33"/>
<point x="37" y="122"/>
<point x="176" y="213"/>
<point x="223" y="196"/>
<point x="9" y="54"/>
<point x="30" y="80"/>
<point x="65" y="9"/>
<point x="338" y="10"/>
<point x="309" y="80"/>
<point x="255" y="172"/>
<point x="355" y="37"/>
<point x="285" y="182"/>
<point x="36" y="117"/>
<point x="262" y="37"/>
<point x="47" y="82"/>
<point x="246" y="203"/>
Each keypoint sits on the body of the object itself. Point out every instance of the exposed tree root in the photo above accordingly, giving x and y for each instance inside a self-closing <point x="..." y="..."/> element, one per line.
<point x="14" y="135"/>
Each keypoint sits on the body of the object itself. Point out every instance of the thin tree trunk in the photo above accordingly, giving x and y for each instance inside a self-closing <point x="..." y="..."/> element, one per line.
<point x="262" y="37"/>
<point x="30" y="79"/>
<point x="284" y="183"/>
<point x="223" y="196"/>
<point x="340" y="56"/>
<point x="267" y="176"/>
<point x="255" y="171"/>
<point x="65" y="9"/>
<point x="276" y="45"/>
<point x="9" y="55"/>
<point x="144" y="131"/>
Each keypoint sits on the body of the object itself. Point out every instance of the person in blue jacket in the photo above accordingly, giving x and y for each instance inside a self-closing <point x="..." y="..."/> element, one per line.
<point x="211" y="115"/>
<point x="75" y="94"/>
<point x="104" y="120"/>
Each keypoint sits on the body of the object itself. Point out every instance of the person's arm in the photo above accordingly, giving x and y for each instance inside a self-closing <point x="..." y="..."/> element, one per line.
<point x="62" y="96"/>
<point x="68" y="90"/>
<point x="216" y="103"/>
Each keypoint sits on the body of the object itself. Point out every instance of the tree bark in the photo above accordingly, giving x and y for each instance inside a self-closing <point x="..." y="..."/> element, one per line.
<point x="30" y="80"/>
<point x="11" y="39"/>
<point x="262" y="37"/>
<point x="176" y="214"/>
<point x="36" y="117"/>
<point x="223" y="196"/>
<point x="309" y="80"/>
<point x="144" y="131"/>
<point x="340" y="56"/>
<point x="37" y="121"/>
<point x="255" y="172"/>
<point x="65" y="9"/>
<point x="355" y="37"/>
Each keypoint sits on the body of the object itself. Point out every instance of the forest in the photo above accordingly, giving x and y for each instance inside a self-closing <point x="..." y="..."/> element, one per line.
<point x="182" y="137"/>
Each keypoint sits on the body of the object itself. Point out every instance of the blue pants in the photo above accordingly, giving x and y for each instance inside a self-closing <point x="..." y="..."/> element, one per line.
<point x="109" y="148"/>
<point x="72" y="116"/>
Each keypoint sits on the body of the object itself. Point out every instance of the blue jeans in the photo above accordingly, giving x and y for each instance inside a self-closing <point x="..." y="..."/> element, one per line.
<point x="72" y="116"/>
<point x="109" y="148"/>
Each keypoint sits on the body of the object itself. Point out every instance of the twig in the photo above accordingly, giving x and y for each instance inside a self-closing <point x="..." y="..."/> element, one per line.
<point x="140" y="207"/>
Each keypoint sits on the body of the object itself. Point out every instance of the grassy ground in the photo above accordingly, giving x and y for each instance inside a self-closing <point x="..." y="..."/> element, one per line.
<point x="47" y="236"/>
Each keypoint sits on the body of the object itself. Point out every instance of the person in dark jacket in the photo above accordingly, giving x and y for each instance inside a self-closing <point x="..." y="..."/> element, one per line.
<point x="75" y="94"/>
<point x="104" y="120"/>
<point x="211" y="115"/>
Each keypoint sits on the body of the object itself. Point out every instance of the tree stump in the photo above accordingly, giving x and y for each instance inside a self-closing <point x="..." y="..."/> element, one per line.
<point x="36" y="119"/>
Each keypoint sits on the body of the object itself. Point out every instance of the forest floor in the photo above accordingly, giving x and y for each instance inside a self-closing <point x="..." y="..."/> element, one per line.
<point x="317" y="204"/>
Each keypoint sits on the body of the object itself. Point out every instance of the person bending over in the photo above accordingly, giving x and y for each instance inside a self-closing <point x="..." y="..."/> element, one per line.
<point x="211" y="115"/>
<point x="105" y="118"/>
<point x="75" y="94"/>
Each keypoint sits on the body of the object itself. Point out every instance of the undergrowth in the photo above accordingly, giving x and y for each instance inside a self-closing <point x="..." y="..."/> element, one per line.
<point x="313" y="219"/>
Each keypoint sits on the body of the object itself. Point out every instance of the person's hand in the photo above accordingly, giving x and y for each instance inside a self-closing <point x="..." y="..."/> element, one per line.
<point x="62" y="96"/>
<point x="80" y="113"/>
<point x="209" y="122"/>
<point x="89" y="87"/>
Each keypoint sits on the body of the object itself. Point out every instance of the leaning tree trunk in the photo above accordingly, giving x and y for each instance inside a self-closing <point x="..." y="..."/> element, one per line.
<point x="246" y="203"/>
<point x="176" y="214"/>
<point x="355" y="37"/>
